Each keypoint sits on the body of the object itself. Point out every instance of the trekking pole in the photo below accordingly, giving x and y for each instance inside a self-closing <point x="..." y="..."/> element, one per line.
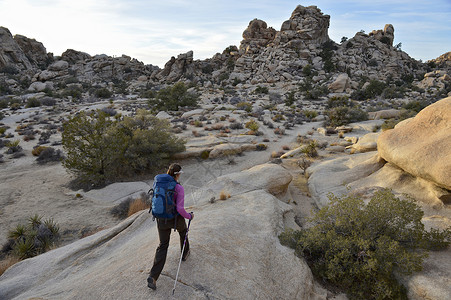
<point x="183" y="249"/>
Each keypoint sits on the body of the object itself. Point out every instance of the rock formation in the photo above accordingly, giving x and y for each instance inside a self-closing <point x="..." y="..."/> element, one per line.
<point x="421" y="146"/>
<point x="11" y="55"/>
<point x="265" y="56"/>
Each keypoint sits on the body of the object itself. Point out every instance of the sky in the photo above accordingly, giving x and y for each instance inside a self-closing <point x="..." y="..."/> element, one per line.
<point x="153" y="31"/>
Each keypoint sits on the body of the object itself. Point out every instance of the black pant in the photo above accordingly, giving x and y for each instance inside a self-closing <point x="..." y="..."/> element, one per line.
<point x="164" y="232"/>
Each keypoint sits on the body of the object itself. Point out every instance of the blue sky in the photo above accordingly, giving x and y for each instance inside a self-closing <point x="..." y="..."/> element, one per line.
<point x="153" y="31"/>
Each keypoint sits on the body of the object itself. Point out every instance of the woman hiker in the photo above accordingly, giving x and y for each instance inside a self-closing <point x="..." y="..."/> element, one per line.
<point x="166" y="225"/>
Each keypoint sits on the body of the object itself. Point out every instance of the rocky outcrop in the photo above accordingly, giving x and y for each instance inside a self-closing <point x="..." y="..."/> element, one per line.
<point x="443" y="61"/>
<point x="306" y="26"/>
<point x="176" y="67"/>
<point x="34" y="51"/>
<point x="11" y="55"/>
<point x="256" y="35"/>
<point x="73" y="56"/>
<point x="386" y="36"/>
<point x="229" y="259"/>
<point x="422" y="146"/>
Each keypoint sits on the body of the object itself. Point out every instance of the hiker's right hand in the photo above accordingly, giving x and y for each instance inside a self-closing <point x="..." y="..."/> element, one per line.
<point x="192" y="215"/>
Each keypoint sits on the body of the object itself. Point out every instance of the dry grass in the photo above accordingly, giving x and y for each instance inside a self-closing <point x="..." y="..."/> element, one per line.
<point x="137" y="205"/>
<point x="7" y="262"/>
<point x="224" y="195"/>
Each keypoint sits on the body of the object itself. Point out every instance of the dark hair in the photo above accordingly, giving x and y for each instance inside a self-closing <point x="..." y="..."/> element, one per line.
<point x="174" y="168"/>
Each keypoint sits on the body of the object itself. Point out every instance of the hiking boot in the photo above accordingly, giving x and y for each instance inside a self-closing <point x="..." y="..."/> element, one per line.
<point x="185" y="256"/>
<point x="151" y="283"/>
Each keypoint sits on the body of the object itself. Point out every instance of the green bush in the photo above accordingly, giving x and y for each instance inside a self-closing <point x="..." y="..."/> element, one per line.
<point x="173" y="97"/>
<point x="374" y="89"/>
<point x="310" y="149"/>
<point x="261" y="90"/>
<point x="246" y="106"/>
<point x="307" y="70"/>
<point x="33" y="238"/>
<point x="360" y="248"/>
<point x="72" y="91"/>
<point x="310" y="114"/>
<point x="100" y="149"/>
<point x="1" y="115"/>
<point x="343" y="115"/>
<point x="33" y="102"/>
<point x="103" y="93"/>
<point x="252" y="125"/>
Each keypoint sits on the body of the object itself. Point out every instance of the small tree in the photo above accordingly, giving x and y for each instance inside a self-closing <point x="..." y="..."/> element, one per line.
<point x="101" y="149"/>
<point x="173" y="97"/>
<point x="360" y="248"/>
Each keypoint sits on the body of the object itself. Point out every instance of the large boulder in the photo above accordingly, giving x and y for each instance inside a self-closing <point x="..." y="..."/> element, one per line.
<point x="235" y="254"/>
<point x="422" y="146"/>
<point x="340" y="84"/>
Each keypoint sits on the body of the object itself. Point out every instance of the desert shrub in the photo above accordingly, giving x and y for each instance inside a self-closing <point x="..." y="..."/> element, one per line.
<point x="373" y="62"/>
<point x="37" y="150"/>
<point x="374" y="89"/>
<point x="100" y="149"/>
<point x="261" y="90"/>
<point x="72" y="91"/>
<point x="15" y="106"/>
<point x="138" y="205"/>
<point x="109" y="111"/>
<point x="223" y="195"/>
<point x="307" y="70"/>
<point x="173" y="97"/>
<point x="130" y="206"/>
<point x="49" y="154"/>
<point x="393" y="92"/>
<point x="198" y="123"/>
<point x="9" y="69"/>
<point x="310" y="150"/>
<point x="261" y="147"/>
<point x="33" y="238"/>
<point x="304" y="163"/>
<point x="4" y="103"/>
<point x="103" y="93"/>
<point x="7" y="262"/>
<point x="13" y="147"/>
<point x="416" y="105"/>
<point x="310" y="114"/>
<point x="33" y="102"/>
<point x="252" y="125"/>
<point x="278" y="118"/>
<point x="337" y="101"/>
<point x="360" y="248"/>
<point x="47" y="101"/>
<point x="121" y="210"/>
<point x="2" y="130"/>
<point x="236" y="125"/>
<point x="279" y="131"/>
<point x="343" y="115"/>
<point x="244" y="106"/>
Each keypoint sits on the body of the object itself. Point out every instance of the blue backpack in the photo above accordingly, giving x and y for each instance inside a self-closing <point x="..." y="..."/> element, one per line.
<point x="163" y="198"/>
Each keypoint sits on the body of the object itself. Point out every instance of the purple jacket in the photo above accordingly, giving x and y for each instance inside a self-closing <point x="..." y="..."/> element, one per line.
<point x="180" y="201"/>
